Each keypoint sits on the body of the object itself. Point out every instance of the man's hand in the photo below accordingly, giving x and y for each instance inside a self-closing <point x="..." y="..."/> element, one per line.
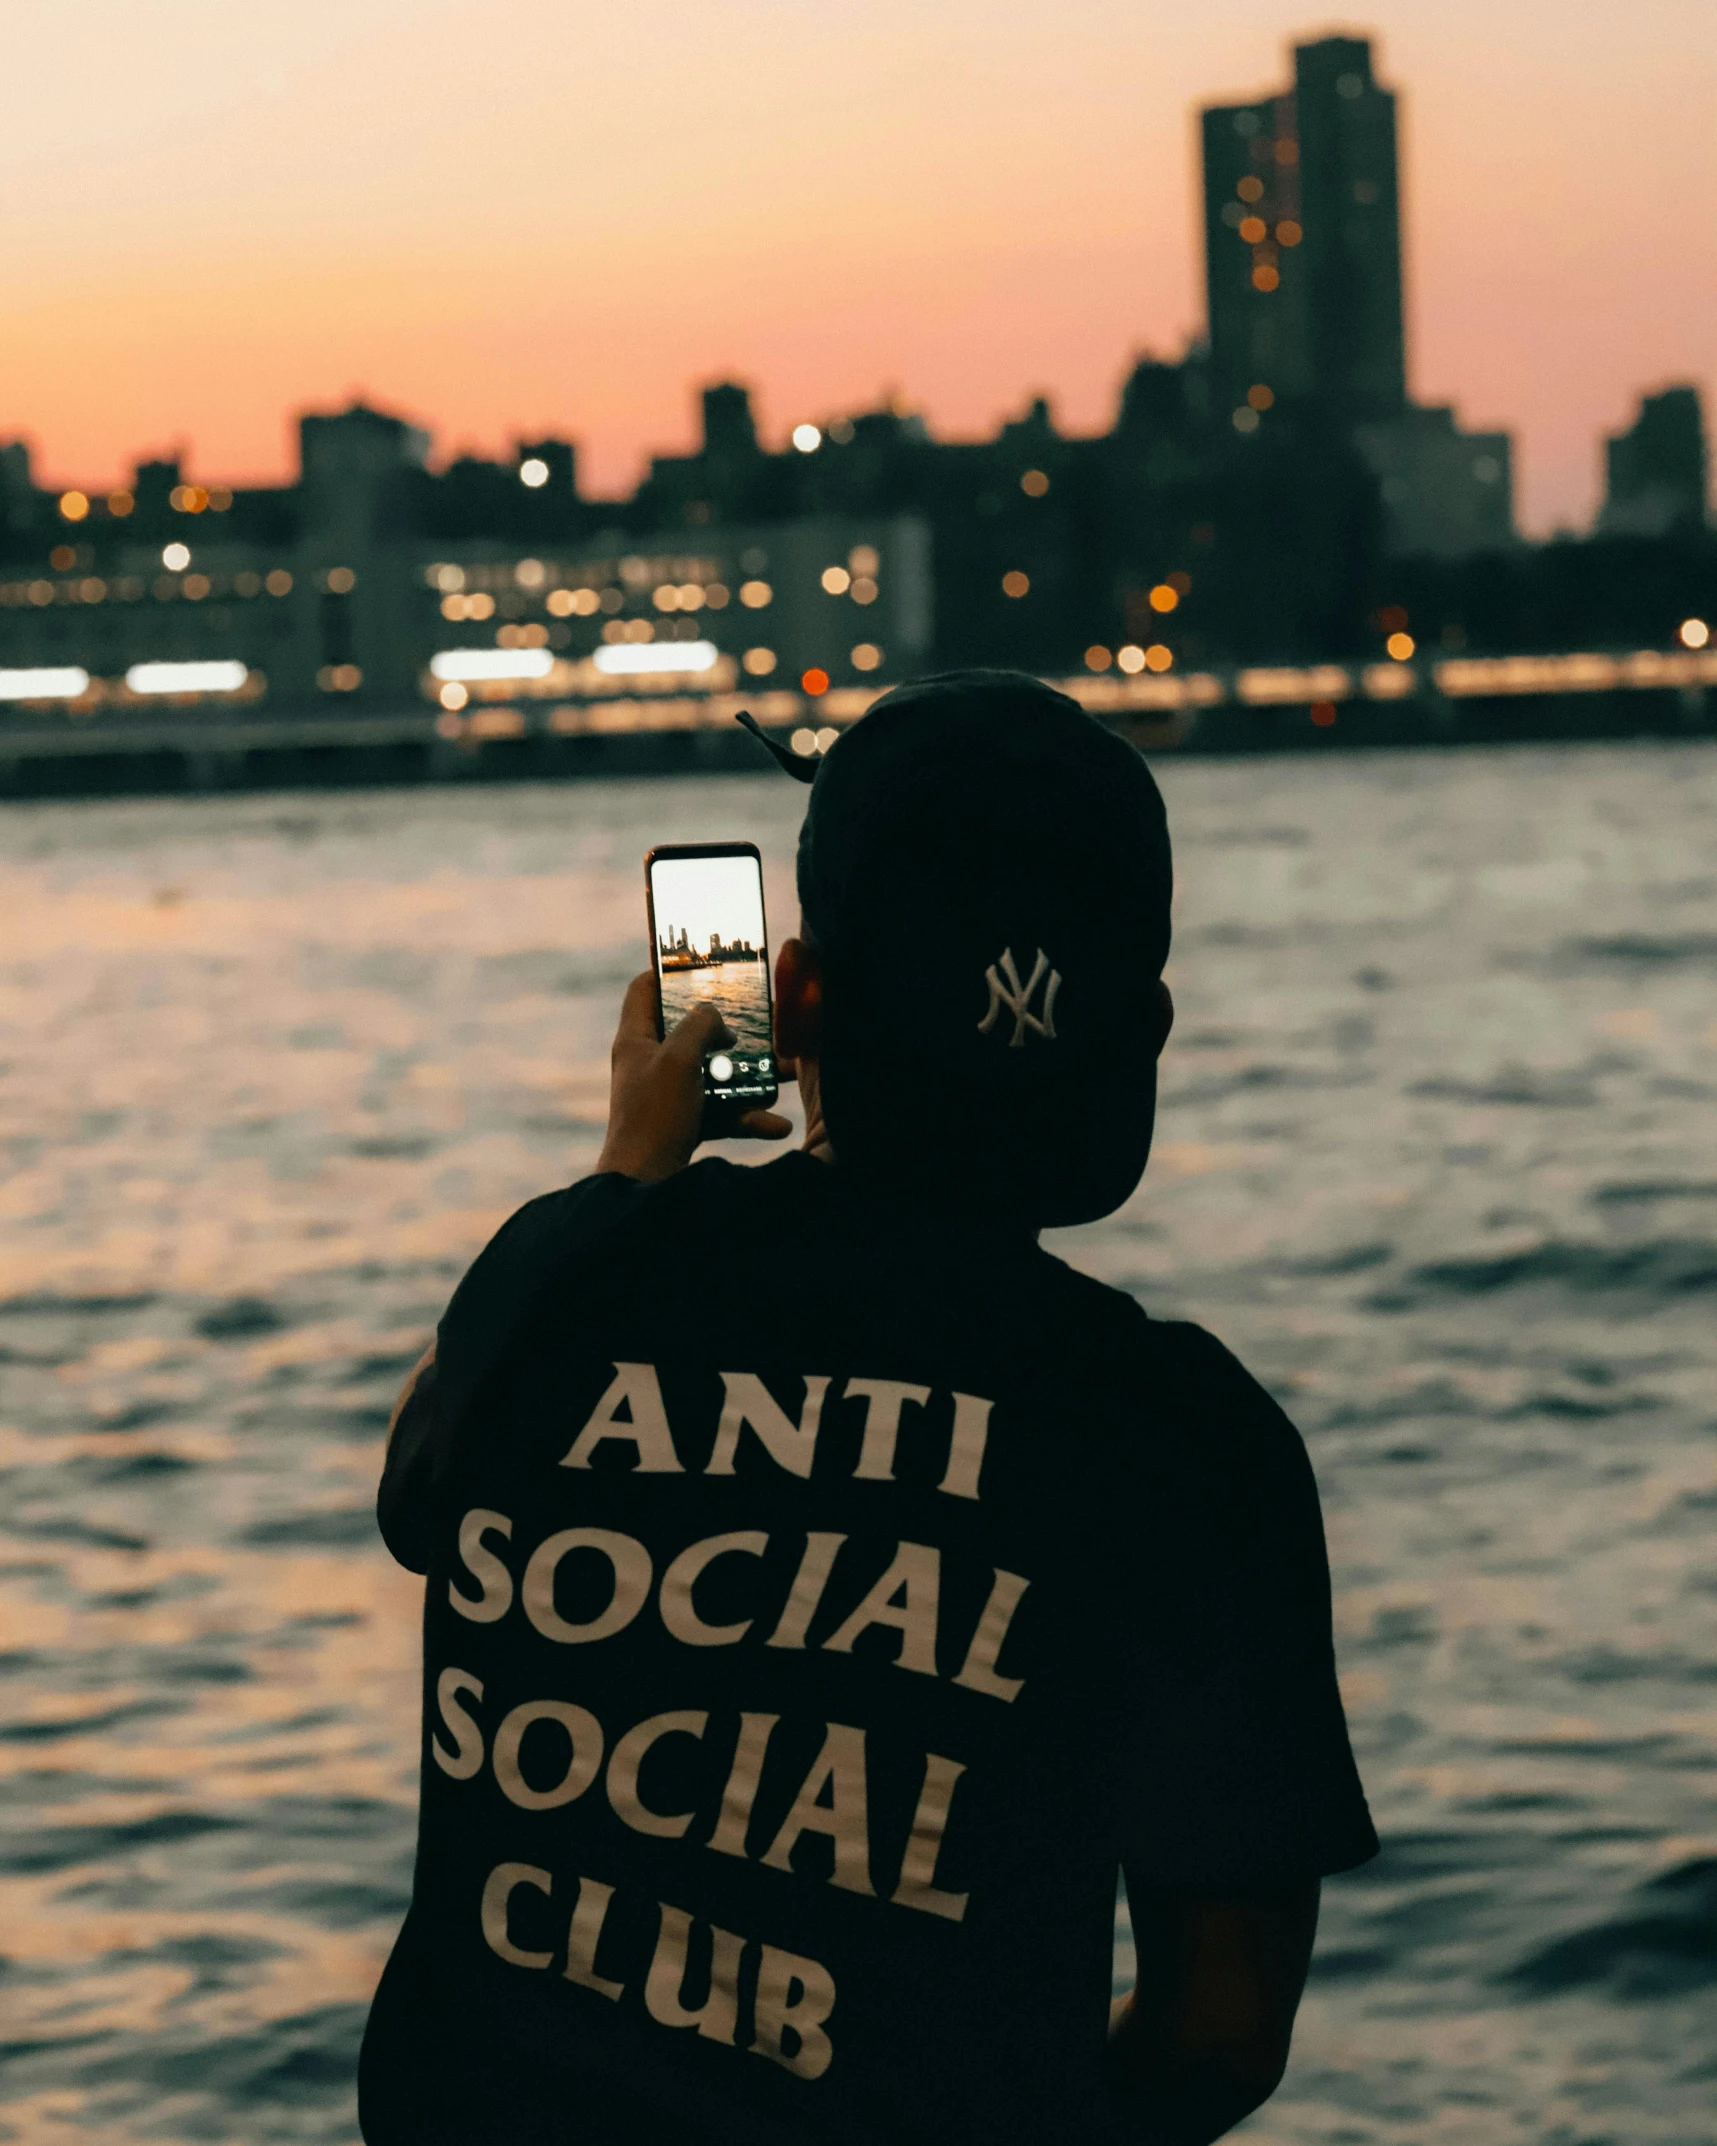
<point x="655" y="1098"/>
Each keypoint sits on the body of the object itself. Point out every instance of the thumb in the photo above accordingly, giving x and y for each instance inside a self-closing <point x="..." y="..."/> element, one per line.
<point x="701" y="1030"/>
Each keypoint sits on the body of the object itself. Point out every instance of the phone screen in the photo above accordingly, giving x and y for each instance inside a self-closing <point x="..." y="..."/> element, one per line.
<point x="710" y="947"/>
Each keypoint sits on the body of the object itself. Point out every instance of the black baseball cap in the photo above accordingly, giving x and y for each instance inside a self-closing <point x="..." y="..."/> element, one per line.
<point x="985" y="873"/>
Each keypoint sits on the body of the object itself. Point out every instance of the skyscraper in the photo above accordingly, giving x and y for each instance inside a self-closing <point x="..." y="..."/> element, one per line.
<point x="1303" y="239"/>
<point x="1656" y="470"/>
<point x="1302" y="236"/>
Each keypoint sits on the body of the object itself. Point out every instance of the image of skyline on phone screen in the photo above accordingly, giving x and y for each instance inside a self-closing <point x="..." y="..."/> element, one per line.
<point x="711" y="950"/>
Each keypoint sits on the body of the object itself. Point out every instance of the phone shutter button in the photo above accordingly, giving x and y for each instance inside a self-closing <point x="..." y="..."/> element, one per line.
<point x="721" y="1067"/>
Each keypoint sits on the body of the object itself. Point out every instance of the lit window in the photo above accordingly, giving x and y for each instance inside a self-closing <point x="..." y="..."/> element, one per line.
<point x="280" y="582"/>
<point x="864" y="590"/>
<point x="755" y="594"/>
<point x="63" y="558"/>
<point x="61" y="682"/>
<point x="827" y="737"/>
<point x="1288" y="233"/>
<point x="1131" y="658"/>
<point x="1400" y="646"/>
<point x="1265" y="279"/>
<point x="814" y="681"/>
<point x="1245" y="419"/>
<point x="562" y="603"/>
<point x="1693" y="633"/>
<point x="530" y="573"/>
<point x="637" y="629"/>
<point x="691" y="596"/>
<point x="73" y="506"/>
<point x="454" y="695"/>
<point x="1254" y="230"/>
<point x="92" y="590"/>
<point x="453" y="607"/>
<point x="1260" y="396"/>
<point x="758" y="662"/>
<point x="867" y="656"/>
<point x="716" y="596"/>
<point x="585" y="603"/>
<point x="120" y="503"/>
<point x="864" y="559"/>
<point x="611" y="599"/>
<point x="448" y="577"/>
<point x="176" y="557"/>
<point x="841" y="431"/>
<point x="614" y="630"/>
<point x="804" y="743"/>
<point x="341" y="580"/>
<point x="186" y="677"/>
<point x="41" y="592"/>
<point x="479" y="606"/>
<point x="196" y="587"/>
<point x="1015" y="583"/>
<point x="1287" y="152"/>
<point x="1097" y="657"/>
<point x="220" y="498"/>
<point x="1180" y="582"/>
<point x="807" y="439"/>
<point x="1158" y="658"/>
<point x="1164" y="597"/>
<point x="533" y="636"/>
<point x="1034" y="484"/>
<point x="667" y="597"/>
<point x="533" y="471"/>
<point x="836" y="580"/>
<point x="187" y="499"/>
<point x="1251" y="188"/>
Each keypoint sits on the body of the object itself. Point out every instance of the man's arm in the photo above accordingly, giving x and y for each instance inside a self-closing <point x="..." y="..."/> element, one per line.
<point x="1203" y="2040"/>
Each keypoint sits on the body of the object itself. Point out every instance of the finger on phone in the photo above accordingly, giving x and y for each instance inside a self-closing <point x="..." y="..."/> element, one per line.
<point x="700" y="1030"/>
<point x="638" y="1009"/>
<point x="762" y="1125"/>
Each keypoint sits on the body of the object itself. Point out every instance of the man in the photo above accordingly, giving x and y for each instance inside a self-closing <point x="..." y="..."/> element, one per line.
<point x="828" y="1589"/>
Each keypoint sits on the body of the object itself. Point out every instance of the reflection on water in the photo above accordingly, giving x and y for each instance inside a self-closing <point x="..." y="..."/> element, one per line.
<point x="738" y="990"/>
<point x="1436" y="1157"/>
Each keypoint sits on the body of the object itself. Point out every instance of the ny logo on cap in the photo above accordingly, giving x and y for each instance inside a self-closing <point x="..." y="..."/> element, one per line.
<point x="1005" y="990"/>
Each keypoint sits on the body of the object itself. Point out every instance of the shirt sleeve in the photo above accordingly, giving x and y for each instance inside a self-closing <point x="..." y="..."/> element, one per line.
<point x="501" y="1291"/>
<point x="1238" y="1768"/>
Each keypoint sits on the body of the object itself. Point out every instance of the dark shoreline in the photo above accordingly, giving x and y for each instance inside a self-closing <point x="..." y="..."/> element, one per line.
<point x="192" y="756"/>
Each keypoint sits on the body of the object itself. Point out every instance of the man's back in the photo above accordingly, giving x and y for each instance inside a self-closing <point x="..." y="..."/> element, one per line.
<point x="822" y="1601"/>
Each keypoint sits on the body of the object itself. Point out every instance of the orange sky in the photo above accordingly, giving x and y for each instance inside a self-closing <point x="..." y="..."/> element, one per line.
<point x="511" y="216"/>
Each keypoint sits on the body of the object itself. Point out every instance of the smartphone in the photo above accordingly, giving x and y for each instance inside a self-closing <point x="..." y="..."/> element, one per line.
<point x="709" y="946"/>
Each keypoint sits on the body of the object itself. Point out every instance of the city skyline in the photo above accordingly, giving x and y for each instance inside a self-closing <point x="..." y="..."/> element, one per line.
<point x="507" y="249"/>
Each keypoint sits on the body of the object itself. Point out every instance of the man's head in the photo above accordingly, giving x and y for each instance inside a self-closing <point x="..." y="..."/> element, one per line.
<point x="984" y="876"/>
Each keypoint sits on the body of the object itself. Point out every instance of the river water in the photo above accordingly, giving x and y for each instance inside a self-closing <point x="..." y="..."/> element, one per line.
<point x="1438" y="1157"/>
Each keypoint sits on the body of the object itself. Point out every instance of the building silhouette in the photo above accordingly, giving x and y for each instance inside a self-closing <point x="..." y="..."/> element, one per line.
<point x="1303" y="238"/>
<point x="1656" y="471"/>
<point x="1302" y="230"/>
<point x="1267" y="496"/>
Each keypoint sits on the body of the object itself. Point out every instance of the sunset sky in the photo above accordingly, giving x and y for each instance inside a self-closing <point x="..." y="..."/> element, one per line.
<point x="527" y="216"/>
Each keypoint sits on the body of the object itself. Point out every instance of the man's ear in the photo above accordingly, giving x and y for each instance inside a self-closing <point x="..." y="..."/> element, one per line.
<point x="1165" y="1016"/>
<point x="798" y="1001"/>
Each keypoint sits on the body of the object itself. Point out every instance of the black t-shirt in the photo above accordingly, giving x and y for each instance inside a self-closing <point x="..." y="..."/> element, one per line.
<point x="823" y="1599"/>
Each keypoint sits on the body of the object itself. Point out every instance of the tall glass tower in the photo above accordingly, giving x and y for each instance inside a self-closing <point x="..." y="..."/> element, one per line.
<point x="1303" y="239"/>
